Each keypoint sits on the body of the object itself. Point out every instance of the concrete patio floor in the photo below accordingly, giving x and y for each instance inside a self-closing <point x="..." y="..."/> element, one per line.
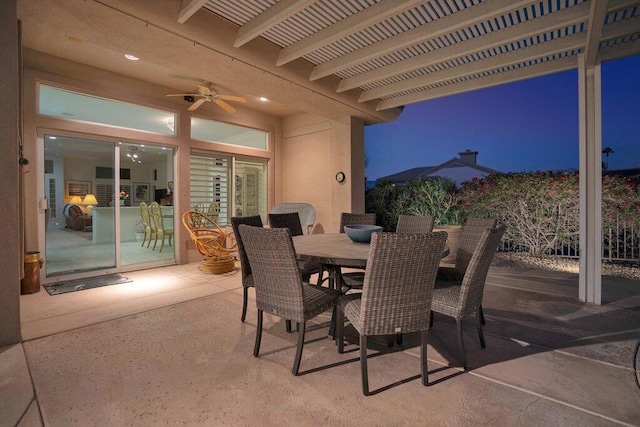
<point x="169" y="348"/>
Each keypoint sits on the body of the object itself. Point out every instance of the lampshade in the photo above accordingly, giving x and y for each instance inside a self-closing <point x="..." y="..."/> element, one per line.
<point x="75" y="200"/>
<point x="89" y="199"/>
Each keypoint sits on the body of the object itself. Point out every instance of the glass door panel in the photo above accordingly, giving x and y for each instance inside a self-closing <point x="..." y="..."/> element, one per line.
<point x="146" y="177"/>
<point x="80" y="232"/>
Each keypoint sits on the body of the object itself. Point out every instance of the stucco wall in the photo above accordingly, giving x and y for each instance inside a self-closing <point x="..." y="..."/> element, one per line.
<point x="10" y="212"/>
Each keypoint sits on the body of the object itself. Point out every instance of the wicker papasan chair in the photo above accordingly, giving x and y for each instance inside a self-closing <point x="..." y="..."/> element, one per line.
<point x="210" y="240"/>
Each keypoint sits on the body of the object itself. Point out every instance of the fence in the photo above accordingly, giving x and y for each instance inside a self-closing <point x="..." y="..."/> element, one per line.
<point x="620" y="243"/>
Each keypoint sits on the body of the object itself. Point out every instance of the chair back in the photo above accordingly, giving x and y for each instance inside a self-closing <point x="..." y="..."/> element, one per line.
<point x="213" y="211"/>
<point x="414" y="224"/>
<point x="306" y="213"/>
<point x="236" y="221"/>
<point x="156" y="216"/>
<point x="286" y="220"/>
<point x="470" y="236"/>
<point x="274" y="267"/>
<point x="398" y="282"/>
<point x="144" y="213"/>
<point x="347" y="218"/>
<point x="472" y="288"/>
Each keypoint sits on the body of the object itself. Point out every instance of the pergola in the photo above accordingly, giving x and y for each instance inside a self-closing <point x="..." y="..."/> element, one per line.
<point x="363" y="58"/>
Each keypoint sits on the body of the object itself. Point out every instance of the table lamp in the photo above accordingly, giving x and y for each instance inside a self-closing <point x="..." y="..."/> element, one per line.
<point x="90" y="201"/>
<point x="75" y="200"/>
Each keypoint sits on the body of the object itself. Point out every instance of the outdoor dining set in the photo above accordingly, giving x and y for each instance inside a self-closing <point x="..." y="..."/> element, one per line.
<point x="393" y="286"/>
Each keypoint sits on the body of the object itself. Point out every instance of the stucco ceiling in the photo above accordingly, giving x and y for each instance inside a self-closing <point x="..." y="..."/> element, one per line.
<point x="334" y="58"/>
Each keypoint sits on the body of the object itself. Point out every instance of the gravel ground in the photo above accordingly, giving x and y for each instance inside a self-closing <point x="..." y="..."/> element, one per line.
<point x="523" y="260"/>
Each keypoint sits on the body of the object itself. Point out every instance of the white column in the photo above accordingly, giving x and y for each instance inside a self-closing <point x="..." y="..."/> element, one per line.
<point x="590" y="123"/>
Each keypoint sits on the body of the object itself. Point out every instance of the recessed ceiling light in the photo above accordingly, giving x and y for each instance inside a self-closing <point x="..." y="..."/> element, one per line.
<point x="263" y="99"/>
<point x="131" y="57"/>
<point x="53" y="137"/>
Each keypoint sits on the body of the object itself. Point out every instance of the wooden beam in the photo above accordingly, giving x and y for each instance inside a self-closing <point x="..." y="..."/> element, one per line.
<point x="188" y="8"/>
<point x="563" y="18"/>
<point x="268" y="19"/>
<point x="538" y="70"/>
<point x="354" y="23"/>
<point x="594" y="31"/>
<point x="445" y="25"/>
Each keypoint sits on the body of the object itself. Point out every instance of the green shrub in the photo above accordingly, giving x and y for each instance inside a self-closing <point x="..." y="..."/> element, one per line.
<point x="435" y="197"/>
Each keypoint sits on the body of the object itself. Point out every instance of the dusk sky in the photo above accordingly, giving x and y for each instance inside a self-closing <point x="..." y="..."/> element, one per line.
<point x="524" y="126"/>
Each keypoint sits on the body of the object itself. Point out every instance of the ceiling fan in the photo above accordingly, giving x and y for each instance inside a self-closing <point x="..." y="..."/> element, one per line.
<point x="207" y="94"/>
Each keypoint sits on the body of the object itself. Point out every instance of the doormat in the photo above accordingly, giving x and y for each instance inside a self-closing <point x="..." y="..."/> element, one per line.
<point x="88" y="283"/>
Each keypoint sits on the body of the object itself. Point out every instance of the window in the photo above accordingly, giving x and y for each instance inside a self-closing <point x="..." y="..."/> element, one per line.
<point x="211" y="183"/>
<point x="75" y="106"/>
<point x="212" y="131"/>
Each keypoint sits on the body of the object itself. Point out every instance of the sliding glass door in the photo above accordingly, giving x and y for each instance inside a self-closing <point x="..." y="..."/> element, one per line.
<point x="94" y="223"/>
<point x="80" y="234"/>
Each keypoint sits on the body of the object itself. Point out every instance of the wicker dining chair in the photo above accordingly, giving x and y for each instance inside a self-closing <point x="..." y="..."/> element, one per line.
<point x="354" y="279"/>
<point x="460" y="299"/>
<point x="397" y="292"/>
<point x="414" y="224"/>
<point x="279" y="287"/>
<point x="470" y="235"/>
<point x="245" y="267"/>
<point x="292" y="222"/>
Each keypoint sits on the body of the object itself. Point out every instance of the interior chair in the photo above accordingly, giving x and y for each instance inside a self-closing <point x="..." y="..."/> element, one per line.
<point x="460" y="299"/>
<point x="306" y="213"/>
<point x="292" y="222"/>
<point x="213" y="211"/>
<point x="397" y="292"/>
<point x="245" y="267"/>
<point x="161" y="232"/>
<point x="211" y="241"/>
<point x="470" y="235"/>
<point x="279" y="287"/>
<point x="149" y="229"/>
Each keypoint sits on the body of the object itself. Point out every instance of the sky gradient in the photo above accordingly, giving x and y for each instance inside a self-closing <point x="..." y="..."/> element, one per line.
<point x="524" y="126"/>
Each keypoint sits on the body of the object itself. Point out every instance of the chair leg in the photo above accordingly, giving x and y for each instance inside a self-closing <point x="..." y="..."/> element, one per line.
<point x="162" y="243"/>
<point x="155" y="242"/>
<point x="479" y="320"/>
<point x="144" y="238"/>
<point x="431" y="319"/>
<point x="245" y="300"/>
<point x="481" y="315"/>
<point x="296" y="363"/>
<point x="423" y="357"/>
<point x="399" y="339"/>
<point x="461" y="342"/>
<point x="363" y="365"/>
<point x="339" y="335"/>
<point x="256" y="347"/>
<point x="288" y="326"/>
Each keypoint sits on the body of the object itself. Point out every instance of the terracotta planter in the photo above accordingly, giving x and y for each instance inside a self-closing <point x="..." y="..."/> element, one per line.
<point x="453" y="235"/>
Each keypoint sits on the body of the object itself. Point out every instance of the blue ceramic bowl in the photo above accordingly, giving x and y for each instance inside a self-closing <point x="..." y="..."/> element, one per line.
<point x="361" y="233"/>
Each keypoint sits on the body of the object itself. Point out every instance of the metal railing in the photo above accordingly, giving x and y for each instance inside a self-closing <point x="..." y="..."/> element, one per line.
<point x="620" y="243"/>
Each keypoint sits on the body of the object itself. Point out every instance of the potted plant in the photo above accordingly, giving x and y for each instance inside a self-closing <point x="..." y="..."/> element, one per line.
<point x="139" y="228"/>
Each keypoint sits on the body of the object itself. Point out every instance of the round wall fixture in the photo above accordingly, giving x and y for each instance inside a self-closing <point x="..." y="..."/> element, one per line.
<point x="340" y="177"/>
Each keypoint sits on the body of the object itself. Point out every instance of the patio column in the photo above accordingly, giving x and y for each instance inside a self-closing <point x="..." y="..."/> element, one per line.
<point x="590" y="123"/>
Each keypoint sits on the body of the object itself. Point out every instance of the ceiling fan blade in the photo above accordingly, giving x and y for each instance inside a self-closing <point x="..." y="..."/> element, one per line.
<point x="203" y="90"/>
<point x="232" y="98"/>
<point x="196" y="104"/>
<point x="184" y="94"/>
<point x="226" y="107"/>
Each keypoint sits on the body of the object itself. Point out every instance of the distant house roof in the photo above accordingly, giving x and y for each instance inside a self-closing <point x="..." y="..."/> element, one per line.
<point x="459" y="170"/>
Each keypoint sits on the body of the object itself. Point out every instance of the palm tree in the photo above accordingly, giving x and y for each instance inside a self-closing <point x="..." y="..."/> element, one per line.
<point x="606" y="151"/>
